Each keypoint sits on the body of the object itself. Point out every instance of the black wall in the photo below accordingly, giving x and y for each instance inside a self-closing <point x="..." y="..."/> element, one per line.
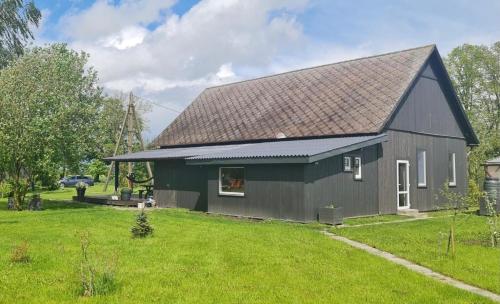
<point x="327" y="183"/>
<point x="178" y="185"/>
<point x="271" y="191"/>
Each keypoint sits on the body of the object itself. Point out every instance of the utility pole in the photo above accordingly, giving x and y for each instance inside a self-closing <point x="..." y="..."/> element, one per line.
<point x="130" y="131"/>
<point x="130" y="122"/>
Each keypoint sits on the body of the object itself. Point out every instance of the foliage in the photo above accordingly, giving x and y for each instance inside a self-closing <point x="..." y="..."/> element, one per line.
<point x="5" y="189"/>
<point x="17" y="18"/>
<point x="492" y="220"/>
<point x="20" y="253"/>
<point x="97" y="168"/>
<point x="125" y="190"/>
<point x="475" y="73"/>
<point x="41" y="120"/>
<point x="142" y="228"/>
<point x="81" y="185"/>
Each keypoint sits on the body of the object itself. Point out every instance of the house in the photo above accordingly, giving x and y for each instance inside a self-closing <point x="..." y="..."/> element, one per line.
<point x="374" y="135"/>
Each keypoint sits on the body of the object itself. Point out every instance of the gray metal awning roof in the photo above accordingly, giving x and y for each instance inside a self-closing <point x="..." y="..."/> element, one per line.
<point x="286" y="151"/>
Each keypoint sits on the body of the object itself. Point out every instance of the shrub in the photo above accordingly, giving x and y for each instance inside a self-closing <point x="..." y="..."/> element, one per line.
<point x="96" y="278"/>
<point x="142" y="228"/>
<point x="20" y="253"/>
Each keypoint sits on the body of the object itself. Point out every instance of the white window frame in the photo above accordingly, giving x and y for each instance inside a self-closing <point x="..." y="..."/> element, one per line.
<point x="359" y="175"/>
<point x="424" y="183"/>
<point x="220" y="183"/>
<point x="452" y="179"/>
<point x="347" y="168"/>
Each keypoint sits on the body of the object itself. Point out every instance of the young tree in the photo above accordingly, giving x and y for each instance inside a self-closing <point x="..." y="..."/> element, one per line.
<point x="48" y="100"/>
<point x="17" y="18"/>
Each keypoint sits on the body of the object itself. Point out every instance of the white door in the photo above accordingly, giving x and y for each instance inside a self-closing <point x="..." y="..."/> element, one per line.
<point x="403" y="184"/>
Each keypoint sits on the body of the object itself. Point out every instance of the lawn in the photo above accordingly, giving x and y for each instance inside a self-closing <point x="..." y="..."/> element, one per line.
<point x="195" y="258"/>
<point x="375" y="219"/>
<point x="425" y="242"/>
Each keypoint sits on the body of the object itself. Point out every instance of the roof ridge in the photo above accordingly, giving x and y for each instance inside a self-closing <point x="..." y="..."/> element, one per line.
<point x="433" y="45"/>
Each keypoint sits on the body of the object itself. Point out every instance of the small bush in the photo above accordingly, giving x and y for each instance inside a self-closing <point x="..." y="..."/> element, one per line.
<point x="93" y="280"/>
<point x="20" y="253"/>
<point x="142" y="228"/>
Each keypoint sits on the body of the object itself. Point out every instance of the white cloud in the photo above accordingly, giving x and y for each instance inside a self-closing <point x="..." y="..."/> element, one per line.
<point x="226" y="71"/>
<point x="213" y="43"/>
<point x="128" y="37"/>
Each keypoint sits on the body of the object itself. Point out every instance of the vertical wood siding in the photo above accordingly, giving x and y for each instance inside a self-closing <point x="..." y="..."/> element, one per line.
<point x="179" y="185"/>
<point x="327" y="183"/>
<point x="426" y="110"/>
<point x="271" y="191"/>
<point x="404" y="146"/>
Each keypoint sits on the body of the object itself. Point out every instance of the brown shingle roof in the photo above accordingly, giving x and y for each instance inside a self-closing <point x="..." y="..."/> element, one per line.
<point x="350" y="97"/>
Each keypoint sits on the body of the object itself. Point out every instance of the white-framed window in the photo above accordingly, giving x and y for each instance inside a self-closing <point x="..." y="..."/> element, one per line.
<point x="232" y="181"/>
<point x="357" y="168"/>
<point x="347" y="164"/>
<point x="421" y="168"/>
<point x="452" y="170"/>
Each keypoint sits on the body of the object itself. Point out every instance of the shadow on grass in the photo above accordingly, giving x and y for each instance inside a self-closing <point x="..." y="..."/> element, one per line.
<point x="54" y="205"/>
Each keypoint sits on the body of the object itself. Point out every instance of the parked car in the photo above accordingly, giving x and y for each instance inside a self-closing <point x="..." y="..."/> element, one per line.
<point x="73" y="179"/>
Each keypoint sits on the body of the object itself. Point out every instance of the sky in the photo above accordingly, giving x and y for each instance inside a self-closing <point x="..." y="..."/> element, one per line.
<point x="168" y="51"/>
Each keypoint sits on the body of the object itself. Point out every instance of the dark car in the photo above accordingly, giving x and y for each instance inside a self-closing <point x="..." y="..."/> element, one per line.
<point x="73" y="179"/>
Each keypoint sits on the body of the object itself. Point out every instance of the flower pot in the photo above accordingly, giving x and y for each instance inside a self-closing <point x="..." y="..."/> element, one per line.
<point x="125" y="195"/>
<point x="140" y="205"/>
<point x="80" y="193"/>
<point x="331" y="216"/>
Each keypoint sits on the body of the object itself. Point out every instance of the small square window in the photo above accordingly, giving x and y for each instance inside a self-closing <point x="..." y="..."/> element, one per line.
<point x="347" y="164"/>
<point x="357" y="168"/>
<point x="232" y="181"/>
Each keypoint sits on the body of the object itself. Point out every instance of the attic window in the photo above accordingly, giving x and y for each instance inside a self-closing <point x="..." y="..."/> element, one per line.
<point x="232" y="181"/>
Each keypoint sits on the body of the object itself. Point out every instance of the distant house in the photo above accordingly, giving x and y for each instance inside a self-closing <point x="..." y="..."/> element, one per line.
<point x="374" y="135"/>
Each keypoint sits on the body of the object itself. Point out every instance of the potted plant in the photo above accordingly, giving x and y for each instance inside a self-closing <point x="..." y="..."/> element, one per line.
<point x="330" y="215"/>
<point x="81" y="187"/>
<point x="126" y="194"/>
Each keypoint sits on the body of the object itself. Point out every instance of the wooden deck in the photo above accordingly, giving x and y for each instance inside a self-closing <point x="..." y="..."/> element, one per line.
<point x="107" y="200"/>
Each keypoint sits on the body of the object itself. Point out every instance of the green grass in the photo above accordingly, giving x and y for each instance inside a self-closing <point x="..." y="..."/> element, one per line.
<point x="424" y="242"/>
<point x="197" y="258"/>
<point x="375" y="219"/>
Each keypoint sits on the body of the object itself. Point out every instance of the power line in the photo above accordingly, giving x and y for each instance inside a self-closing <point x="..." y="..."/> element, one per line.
<point x="158" y="104"/>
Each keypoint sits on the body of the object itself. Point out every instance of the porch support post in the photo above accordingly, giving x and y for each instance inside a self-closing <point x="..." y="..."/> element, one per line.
<point x="117" y="176"/>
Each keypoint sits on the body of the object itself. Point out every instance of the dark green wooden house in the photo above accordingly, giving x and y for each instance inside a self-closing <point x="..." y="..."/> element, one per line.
<point x="374" y="135"/>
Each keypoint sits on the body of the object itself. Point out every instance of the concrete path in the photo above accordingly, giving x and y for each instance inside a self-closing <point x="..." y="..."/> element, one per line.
<point x="417" y="268"/>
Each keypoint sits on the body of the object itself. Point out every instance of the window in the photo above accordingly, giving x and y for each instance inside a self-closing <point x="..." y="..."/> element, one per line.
<point x="347" y="164"/>
<point x="452" y="172"/>
<point x="421" y="168"/>
<point x="357" y="168"/>
<point x="232" y="181"/>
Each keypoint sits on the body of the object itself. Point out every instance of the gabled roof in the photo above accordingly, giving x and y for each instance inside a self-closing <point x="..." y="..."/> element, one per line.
<point x="355" y="97"/>
<point x="285" y="151"/>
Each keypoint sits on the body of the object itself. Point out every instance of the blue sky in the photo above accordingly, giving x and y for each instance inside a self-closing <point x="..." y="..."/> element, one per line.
<point x="168" y="51"/>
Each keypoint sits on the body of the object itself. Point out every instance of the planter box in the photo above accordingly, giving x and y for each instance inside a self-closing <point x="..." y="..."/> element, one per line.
<point x="332" y="216"/>
<point x="80" y="194"/>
